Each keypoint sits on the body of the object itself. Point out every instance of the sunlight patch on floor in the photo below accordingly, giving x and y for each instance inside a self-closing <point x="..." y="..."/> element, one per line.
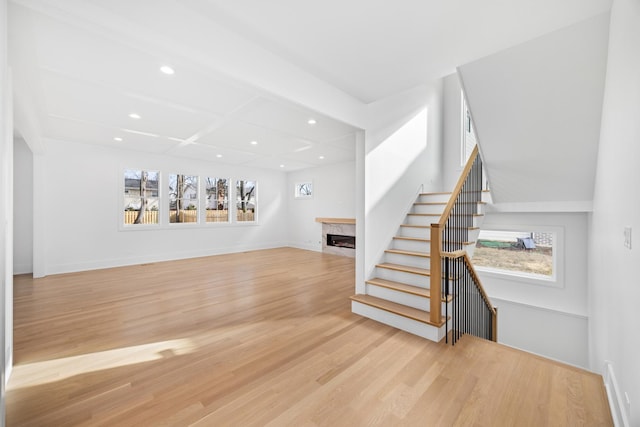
<point x="47" y="371"/>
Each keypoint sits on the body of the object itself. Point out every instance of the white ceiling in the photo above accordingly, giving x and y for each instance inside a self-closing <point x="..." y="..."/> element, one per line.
<point x="80" y="67"/>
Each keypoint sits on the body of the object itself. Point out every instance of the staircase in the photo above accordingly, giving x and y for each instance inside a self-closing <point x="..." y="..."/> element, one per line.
<point x="399" y="293"/>
<point x="426" y="272"/>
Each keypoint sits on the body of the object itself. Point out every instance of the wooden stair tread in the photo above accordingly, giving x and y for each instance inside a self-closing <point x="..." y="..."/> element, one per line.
<point x="399" y="309"/>
<point x="435" y="194"/>
<point x="428" y="226"/>
<point x="403" y="287"/>
<point x="411" y="253"/>
<point x="430" y="203"/>
<point x="404" y="268"/>
<point x="415" y="239"/>
<point x="464" y="228"/>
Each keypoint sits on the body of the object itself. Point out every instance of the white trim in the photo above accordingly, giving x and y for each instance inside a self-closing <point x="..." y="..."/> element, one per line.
<point x="543" y="206"/>
<point x="120" y="191"/>
<point x="619" y="410"/>
<point x="256" y="211"/>
<point x="540" y="308"/>
<point x="296" y="192"/>
<point x="203" y="202"/>
<point x="145" y="259"/>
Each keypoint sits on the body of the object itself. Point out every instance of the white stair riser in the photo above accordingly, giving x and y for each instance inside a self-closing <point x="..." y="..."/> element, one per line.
<point x="403" y="277"/>
<point x="428" y="209"/>
<point x="486" y="197"/>
<point x="408" y="260"/>
<point x="475" y="222"/>
<point x="411" y="245"/>
<point x="420" y="220"/>
<point x="409" y="325"/>
<point x="468" y="248"/>
<point x="428" y="220"/>
<point x="404" y="298"/>
<point x="473" y="235"/>
<point x="431" y="198"/>
<point x="410" y="300"/>
<point x="420" y="233"/>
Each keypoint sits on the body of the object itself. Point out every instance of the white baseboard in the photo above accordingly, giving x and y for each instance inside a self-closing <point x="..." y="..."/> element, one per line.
<point x="122" y="262"/>
<point x="617" y="401"/>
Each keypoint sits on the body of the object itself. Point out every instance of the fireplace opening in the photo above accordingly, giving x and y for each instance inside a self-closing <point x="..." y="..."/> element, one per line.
<point x="341" y="241"/>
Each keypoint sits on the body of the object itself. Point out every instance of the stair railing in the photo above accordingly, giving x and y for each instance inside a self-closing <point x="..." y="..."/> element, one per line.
<point x="472" y="312"/>
<point x="449" y="236"/>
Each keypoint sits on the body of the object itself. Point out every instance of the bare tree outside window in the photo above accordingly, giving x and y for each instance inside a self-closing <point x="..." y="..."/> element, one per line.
<point x="303" y="190"/>
<point x="141" y="196"/>
<point x="217" y="193"/>
<point x="246" y="201"/>
<point x="183" y="198"/>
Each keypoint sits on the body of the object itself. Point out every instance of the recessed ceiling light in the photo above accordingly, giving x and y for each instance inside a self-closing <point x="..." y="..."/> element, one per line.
<point x="281" y="166"/>
<point x="218" y="155"/>
<point x="312" y="121"/>
<point x="321" y="157"/>
<point x="254" y="142"/>
<point x="167" y="70"/>
<point x="117" y="138"/>
<point x="134" y="116"/>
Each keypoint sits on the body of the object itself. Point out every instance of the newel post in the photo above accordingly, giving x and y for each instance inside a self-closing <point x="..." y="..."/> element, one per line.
<point x="435" y="283"/>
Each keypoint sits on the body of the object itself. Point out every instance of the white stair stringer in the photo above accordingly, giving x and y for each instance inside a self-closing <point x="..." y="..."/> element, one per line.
<point x="406" y="324"/>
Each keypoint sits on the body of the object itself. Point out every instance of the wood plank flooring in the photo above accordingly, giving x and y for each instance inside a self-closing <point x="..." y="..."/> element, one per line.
<point x="262" y="338"/>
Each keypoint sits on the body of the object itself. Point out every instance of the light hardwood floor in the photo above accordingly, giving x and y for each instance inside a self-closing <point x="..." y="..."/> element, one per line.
<point x="262" y="338"/>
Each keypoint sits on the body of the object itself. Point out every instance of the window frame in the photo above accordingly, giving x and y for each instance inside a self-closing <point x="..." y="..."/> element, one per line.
<point x="122" y="193"/>
<point x="556" y="279"/>
<point x="463" y="129"/>
<point x="256" y="212"/>
<point x="298" y="186"/>
<point x="205" y="201"/>
<point x="197" y="201"/>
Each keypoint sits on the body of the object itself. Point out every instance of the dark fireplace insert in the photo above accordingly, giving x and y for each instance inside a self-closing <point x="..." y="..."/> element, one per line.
<point x="341" y="241"/>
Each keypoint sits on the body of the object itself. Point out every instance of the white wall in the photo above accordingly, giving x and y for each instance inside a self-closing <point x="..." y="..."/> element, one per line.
<point x="403" y="155"/>
<point x="6" y="211"/>
<point x="333" y="196"/>
<point x="549" y="319"/>
<point x="83" y="224"/>
<point x="549" y="333"/>
<point x="452" y="131"/>
<point x="22" y="208"/>
<point x="536" y="108"/>
<point x="569" y="294"/>
<point x="527" y="310"/>
<point x="613" y="269"/>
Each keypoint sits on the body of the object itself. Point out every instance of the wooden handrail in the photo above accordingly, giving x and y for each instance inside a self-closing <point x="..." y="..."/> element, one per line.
<point x="468" y="324"/>
<point x="472" y="271"/>
<point x="458" y="187"/>
<point x="435" y="308"/>
<point x="435" y="284"/>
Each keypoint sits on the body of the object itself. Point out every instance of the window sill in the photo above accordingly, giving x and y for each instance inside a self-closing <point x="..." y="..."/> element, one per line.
<point x="527" y="278"/>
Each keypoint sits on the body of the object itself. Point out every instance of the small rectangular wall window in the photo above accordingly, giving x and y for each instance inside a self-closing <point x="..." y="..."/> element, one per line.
<point x="526" y="253"/>
<point x="303" y="190"/>
<point x="246" y="209"/>
<point x="217" y="190"/>
<point x="469" y="139"/>
<point x="183" y="198"/>
<point x="141" y="198"/>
